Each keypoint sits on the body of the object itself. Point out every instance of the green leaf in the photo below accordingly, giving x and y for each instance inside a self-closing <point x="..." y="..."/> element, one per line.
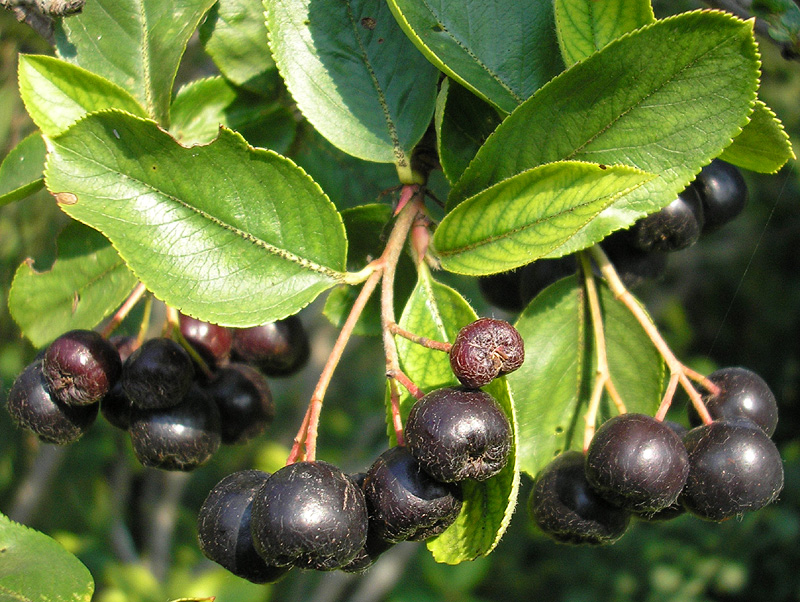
<point x="226" y="233"/>
<point x="438" y="312"/>
<point x="552" y="387"/>
<point x="21" y="170"/>
<point x="463" y="123"/>
<point x="503" y="50"/>
<point x="667" y="113"/>
<point x="235" y="37"/>
<point x="586" y="26"/>
<point x="201" y="106"/>
<point x="56" y="93"/>
<point x="137" y="44"/>
<point x="354" y="75"/>
<point x="34" y="567"/>
<point x="763" y="145"/>
<point x="367" y="227"/>
<point x="86" y="283"/>
<point x="526" y="216"/>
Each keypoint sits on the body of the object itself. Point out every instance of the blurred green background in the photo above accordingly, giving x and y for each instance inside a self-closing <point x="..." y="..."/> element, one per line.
<point x="733" y="299"/>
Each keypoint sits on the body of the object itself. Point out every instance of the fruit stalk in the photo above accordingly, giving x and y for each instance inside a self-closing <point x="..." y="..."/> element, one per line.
<point x="137" y="293"/>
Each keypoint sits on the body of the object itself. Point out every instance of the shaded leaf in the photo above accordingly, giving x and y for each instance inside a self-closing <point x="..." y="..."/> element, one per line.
<point x="763" y="145"/>
<point x="137" y="44"/>
<point x="34" y="567"/>
<point x="246" y="239"/>
<point x="235" y="37"/>
<point x="21" y="170"/>
<point x="438" y="312"/>
<point x="86" y="283"/>
<point x="201" y="106"/>
<point x="503" y="50"/>
<point x="586" y="26"/>
<point x="56" y="93"/>
<point x="354" y="74"/>
<point x="463" y="123"/>
<point x="552" y="388"/>
<point x="526" y="216"/>
<point x="633" y="104"/>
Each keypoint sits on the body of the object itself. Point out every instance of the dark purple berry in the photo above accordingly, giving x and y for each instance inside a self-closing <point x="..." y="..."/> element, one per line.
<point x="404" y="502"/>
<point x="743" y="394"/>
<point x="503" y="290"/>
<point x="80" y="367"/>
<point x="637" y="462"/>
<point x="157" y="375"/>
<point x="723" y="192"/>
<point x="116" y="408"/>
<point x="634" y="266"/>
<point x="485" y="349"/>
<point x="734" y="467"/>
<point x="676" y="226"/>
<point x="180" y="437"/>
<point x="277" y="349"/>
<point x="565" y="507"/>
<point x="537" y="276"/>
<point x="458" y="434"/>
<point x="32" y="407"/>
<point x="223" y="527"/>
<point x="309" y="515"/>
<point x="211" y="341"/>
<point x="244" y="400"/>
<point x="375" y="544"/>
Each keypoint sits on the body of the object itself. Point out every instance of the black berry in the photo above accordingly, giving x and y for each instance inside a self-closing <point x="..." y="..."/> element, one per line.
<point x="244" y="400"/>
<point x="637" y="462"/>
<point x="503" y="290"/>
<point x="537" y="276"/>
<point x="310" y="515"/>
<point x="211" y="341"/>
<point x="180" y="437"/>
<point x="565" y="507"/>
<point x="279" y="348"/>
<point x="458" y="434"/>
<point x="404" y="502"/>
<point x="80" y="367"/>
<point x="723" y="191"/>
<point x="157" y="375"/>
<point x="32" y="407"/>
<point x="485" y="349"/>
<point x="223" y="527"/>
<point x="675" y="227"/>
<point x="734" y="467"/>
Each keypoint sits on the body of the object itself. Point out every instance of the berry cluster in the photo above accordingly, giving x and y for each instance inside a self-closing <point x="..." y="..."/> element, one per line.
<point x="177" y="411"/>
<point x="311" y="515"/>
<point x="639" y="466"/>
<point x="716" y="196"/>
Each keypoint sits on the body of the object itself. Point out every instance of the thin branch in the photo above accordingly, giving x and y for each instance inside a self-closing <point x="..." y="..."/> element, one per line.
<point x="37" y="482"/>
<point x="124" y="310"/>
<point x="414" y="338"/>
<point x="164" y="516"/>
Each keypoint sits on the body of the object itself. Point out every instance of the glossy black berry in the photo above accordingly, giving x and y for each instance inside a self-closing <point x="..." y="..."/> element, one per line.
<point x="80" y="367"/>
<point x="180" y="437"/>
<point x="634" y="266"/>
<point x="157" y="375"/>
<point x="565" y="507"/>
<point x="637" y="462"/>
<point x="310" y="515"/>
<point x="485" y="349"/>
<point x="458" y="434"/>
<point x="537" y="276"/>
<point x="279" y="348"/>
<point x="244" y="400"/>
<point x="743" y="394"/>
<point x="211" y="341"/>
<point x="223" y="527"/>
<point x="503" y="290"/>
<point x="375" y="544"/>
<point x="116" y="408"/>
<point x="734" y="467"/>
<point x="676" y="226"/>
<point x="32" y="407"/>
<point x="404" y="502"/>
<point x="723" y="191"/>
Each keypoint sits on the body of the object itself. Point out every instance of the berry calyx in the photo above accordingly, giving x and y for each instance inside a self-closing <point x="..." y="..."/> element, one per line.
<point x="80" y="367"/>
<point x="637" y="462"/>
<point x="485" y="349"/>
<point x="310" y="515"/>
<point x="458" y="434"/>
<point x="405" y="502"/>
<point x="223" y="527"/>
<point x="734" y="467"/>
<point x="565" y="507"/>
